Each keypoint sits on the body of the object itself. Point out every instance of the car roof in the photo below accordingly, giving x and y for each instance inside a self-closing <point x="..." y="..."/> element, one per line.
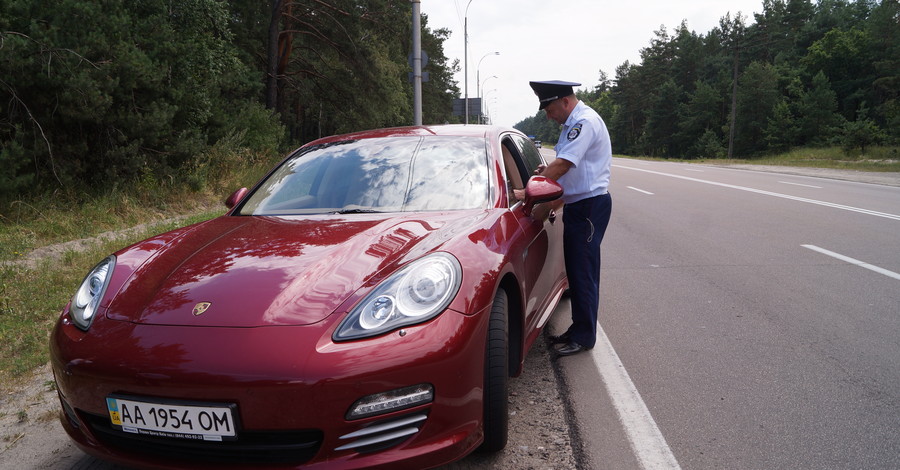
<point x="457" y="130"/>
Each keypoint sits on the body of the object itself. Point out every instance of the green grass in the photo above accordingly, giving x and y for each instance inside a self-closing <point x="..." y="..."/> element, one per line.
<point x="32" y="296"/>
<point x="33" y="224"/>
<point x="879" y="159"/>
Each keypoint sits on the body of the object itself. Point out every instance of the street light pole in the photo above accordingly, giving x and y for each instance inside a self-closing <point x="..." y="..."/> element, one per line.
<point x="417" y="61"/>
<point x="478" y="74"/>
<point x="481" y="87"/>
<point x="486" y="101"/>
<point x="466" y="56"/>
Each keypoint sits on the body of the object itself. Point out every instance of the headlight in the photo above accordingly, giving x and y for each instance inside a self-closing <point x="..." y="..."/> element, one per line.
<point x="414" y="294"/>
<point x="87" y="298"/>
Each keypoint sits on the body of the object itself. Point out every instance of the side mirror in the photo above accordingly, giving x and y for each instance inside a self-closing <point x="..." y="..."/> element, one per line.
<point x="235" y="197"/>
<point x="541" y="189"/>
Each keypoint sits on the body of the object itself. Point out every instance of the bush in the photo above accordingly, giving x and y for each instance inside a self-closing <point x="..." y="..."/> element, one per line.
<point x="860" y="134"/>
<point x="13" y="180"/>
<point x="710" y="146"/>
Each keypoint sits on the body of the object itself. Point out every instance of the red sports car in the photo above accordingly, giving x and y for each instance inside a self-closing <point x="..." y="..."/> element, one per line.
<point x="362" y="306"/>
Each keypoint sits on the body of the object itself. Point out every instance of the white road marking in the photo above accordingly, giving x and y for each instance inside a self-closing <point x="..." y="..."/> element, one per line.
<point x="770" y="193"/>
<point x="798" y="184"/>
<point x="853" y="261"/>
<point x="647" y="442"/>
<point x="640" y="190"/>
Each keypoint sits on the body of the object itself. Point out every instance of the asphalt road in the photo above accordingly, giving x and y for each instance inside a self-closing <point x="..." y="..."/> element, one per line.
<point x="753" y="321"/>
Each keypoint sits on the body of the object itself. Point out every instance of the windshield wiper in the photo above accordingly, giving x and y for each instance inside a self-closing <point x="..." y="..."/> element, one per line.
<point x="355" y="211"/>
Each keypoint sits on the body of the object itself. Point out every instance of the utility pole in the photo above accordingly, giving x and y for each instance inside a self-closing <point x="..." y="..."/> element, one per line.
<point x="735" y="31"/>
<point x="417" y="61"/>
<point x="466" y="57"/>
<point x="734" y="90"/>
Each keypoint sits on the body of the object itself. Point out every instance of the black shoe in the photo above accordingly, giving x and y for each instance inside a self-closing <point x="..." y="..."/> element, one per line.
<point x="560" y="339"/>
<point x="570" y="348"/>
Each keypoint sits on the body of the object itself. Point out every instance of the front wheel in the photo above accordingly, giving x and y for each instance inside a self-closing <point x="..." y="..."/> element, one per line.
<point x="496" y="377"/>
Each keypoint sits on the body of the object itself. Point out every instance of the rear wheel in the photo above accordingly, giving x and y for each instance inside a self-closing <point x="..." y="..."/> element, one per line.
<point x="496" y="377"/>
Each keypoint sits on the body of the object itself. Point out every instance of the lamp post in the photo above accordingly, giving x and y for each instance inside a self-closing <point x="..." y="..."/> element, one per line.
<point x="466" y="57"/>
<point x="486" y="102"/>
<point x="417" y="61"/>
<point x="478" y="73"/>
<point x="481" y="87"/>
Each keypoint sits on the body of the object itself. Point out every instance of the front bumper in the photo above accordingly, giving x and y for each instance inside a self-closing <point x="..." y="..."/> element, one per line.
<point x="292" y="390"/>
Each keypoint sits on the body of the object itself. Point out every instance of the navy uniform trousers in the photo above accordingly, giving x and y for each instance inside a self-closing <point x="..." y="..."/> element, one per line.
<point x="584" y="224"/>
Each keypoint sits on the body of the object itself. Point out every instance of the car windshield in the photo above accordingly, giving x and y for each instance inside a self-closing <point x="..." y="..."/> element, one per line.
<point x="391" y="174"/>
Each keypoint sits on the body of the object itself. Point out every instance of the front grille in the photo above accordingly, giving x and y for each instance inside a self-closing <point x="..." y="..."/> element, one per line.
<point x="261" y="447"/>
<point x="383" y="434"/>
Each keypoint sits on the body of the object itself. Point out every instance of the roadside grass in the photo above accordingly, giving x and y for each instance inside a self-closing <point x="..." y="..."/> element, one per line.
<point x="68" y="215"/>
<point x="32" y="298"/>
<point x="27" y="225"/>
<point x="33" y="294"/>
<point x="880" y="159"/>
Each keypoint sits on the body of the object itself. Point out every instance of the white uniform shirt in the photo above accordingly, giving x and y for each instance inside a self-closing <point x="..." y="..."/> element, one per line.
<point x="584" y="141"/>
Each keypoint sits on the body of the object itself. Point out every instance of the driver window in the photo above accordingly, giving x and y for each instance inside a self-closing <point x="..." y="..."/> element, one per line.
<point x="529" y="152"/>
<point x="515" y="170"/>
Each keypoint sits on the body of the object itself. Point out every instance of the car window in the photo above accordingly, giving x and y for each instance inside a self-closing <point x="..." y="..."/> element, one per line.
<point x="392" y="174"/>
<point x="517" y="172"/>
<point x="530" y="154"/>
<point x="513" y="175"/>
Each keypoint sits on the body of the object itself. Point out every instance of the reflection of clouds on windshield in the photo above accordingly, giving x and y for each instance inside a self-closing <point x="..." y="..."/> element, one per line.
<point x="388" y="174"/>
<point x="458" y="167"/>
<point x="385" y="173"/>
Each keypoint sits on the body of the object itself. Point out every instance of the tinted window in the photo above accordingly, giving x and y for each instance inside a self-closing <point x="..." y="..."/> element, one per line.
<point x="530" y="153"/>
<point x="395" y="174"/>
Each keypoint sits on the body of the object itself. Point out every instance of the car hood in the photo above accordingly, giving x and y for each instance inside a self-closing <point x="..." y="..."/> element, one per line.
<point x="265" y="271"/>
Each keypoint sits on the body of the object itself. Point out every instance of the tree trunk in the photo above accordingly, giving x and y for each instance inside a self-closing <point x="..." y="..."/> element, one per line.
<point x="272" y="58"/>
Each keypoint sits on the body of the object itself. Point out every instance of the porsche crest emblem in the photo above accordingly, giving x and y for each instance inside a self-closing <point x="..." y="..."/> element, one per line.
<point x="200" y="308"/>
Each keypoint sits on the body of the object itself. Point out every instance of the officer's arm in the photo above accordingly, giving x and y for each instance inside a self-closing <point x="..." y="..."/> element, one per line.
<point x="556" y="168"/>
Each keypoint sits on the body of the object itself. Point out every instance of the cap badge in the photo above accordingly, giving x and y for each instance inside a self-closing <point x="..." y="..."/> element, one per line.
<point x="200" y="308"/>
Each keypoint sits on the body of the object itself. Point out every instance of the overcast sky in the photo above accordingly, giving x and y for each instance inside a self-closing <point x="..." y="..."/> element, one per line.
<point x="559" y="40"/>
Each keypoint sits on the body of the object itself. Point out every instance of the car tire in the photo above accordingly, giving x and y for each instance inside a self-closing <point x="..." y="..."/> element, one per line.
<point x="496" y="377"/>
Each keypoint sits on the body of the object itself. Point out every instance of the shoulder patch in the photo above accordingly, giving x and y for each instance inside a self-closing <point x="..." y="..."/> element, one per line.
<point x="574" y="132"/>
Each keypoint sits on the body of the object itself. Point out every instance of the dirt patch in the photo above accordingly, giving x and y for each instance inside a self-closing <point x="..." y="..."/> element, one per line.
<point x="31" y="436"/>
<point x="538" y="430"/>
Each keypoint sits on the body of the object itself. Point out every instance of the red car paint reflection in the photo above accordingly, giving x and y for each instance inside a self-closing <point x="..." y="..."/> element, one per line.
<point x="365" y="304"/>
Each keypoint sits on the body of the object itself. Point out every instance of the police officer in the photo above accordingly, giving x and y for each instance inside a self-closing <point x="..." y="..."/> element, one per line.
<point x="583" y="158"/>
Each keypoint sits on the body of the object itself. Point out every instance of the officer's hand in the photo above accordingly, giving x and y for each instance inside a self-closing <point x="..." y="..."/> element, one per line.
<point x="540" y="169"/>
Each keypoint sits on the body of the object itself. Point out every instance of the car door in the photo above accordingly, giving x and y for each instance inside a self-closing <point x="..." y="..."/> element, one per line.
<point x="542" y="261"/>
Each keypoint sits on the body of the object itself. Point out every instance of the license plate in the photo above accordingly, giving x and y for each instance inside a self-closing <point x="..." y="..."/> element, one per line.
<point x="200" y="421"/>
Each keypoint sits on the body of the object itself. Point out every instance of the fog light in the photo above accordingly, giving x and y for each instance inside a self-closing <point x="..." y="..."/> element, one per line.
<point x="70" y="414"/>
<point x="393" y="400"/>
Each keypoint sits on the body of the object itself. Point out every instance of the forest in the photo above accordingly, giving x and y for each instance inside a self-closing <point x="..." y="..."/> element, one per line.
<point x="95" y="94"/>
<point x="100" y="94"/>
<point x="800" y="74"/>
